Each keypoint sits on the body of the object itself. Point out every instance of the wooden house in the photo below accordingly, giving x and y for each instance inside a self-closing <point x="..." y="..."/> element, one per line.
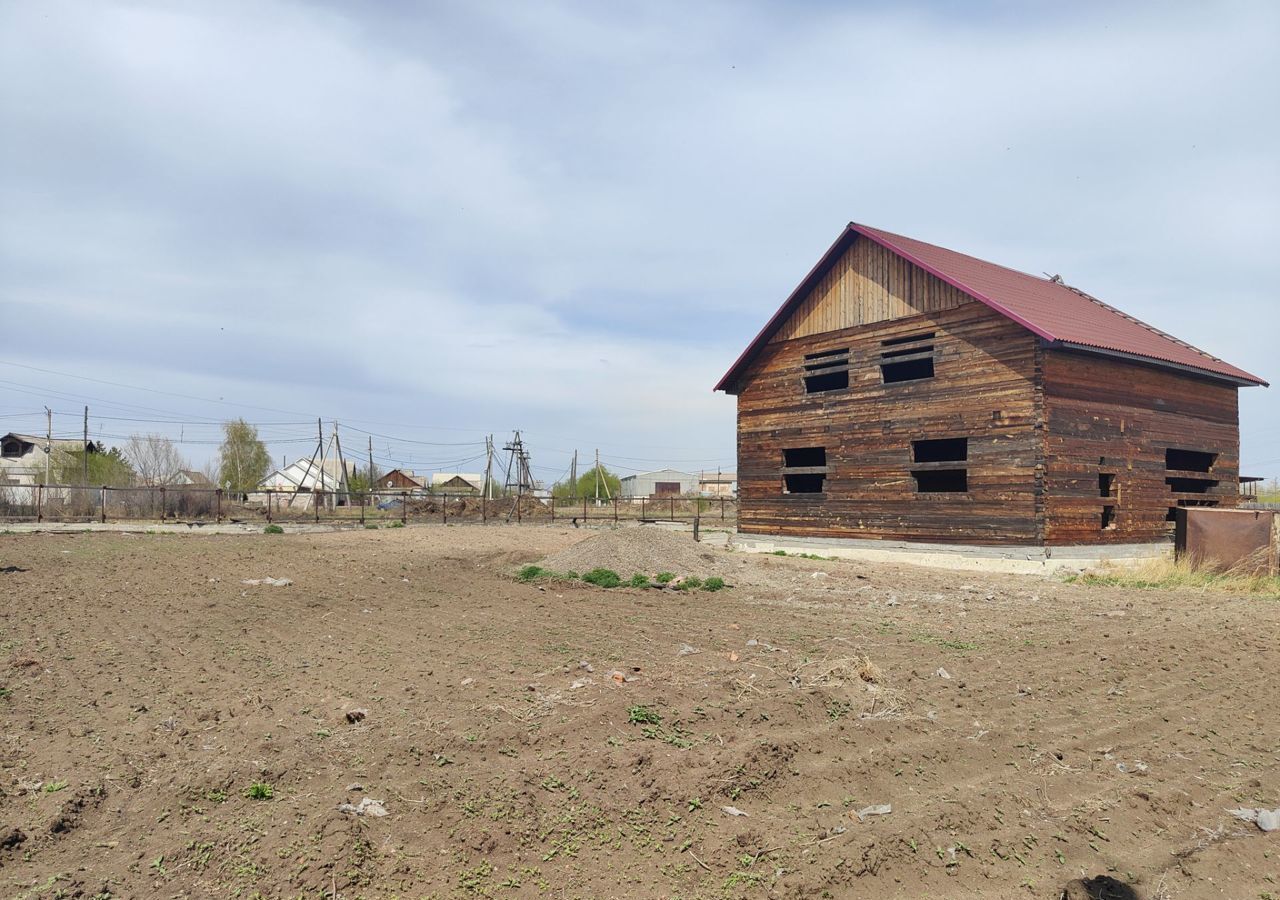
<point x="908" y="392"/>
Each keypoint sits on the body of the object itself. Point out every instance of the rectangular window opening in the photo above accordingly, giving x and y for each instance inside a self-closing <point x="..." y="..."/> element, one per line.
<point x="1172" y="514"/>
<point x="804" y="483"/>
<point x="826" y="371"/>
<point x="941" y="481"/>
<point x="1190" y="485"/>
<point x="914" y="370"/>
<point x="910" y="360"/>
<point x="909" y="339"/>
<point x="940" y="450"/>
<point x="1189" y="460"/>
<point x="830" y="381"/>
<point x="1106" y="485"/>
<point x="797" y="457"/>
<point x="1108" y="517"/>
<point x="804" y="470"/>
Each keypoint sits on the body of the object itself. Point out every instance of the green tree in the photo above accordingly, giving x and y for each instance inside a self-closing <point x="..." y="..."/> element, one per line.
<point x="106" y="467"/>
<point x="610" y="485"/>
<point x="243" y="460"/>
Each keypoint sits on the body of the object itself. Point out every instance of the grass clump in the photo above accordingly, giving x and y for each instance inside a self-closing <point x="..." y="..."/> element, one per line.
<point x="396" y="524"/>
<point x="273" y="529"/>
<point x="714" y="583"/>
<point x="643" y="715"/>
<point x="531" y="573"/>
<point x="665" y="577"/>
<point x="605" y="578"/>
<point x="689" y="583"/>
<point x="259" y="790"/>
<point x="1168" y="574"/>
<point x="639" y="581"/>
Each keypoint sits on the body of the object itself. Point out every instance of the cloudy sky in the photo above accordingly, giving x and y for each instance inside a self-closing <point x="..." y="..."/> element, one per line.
<point x="437" y="221"/>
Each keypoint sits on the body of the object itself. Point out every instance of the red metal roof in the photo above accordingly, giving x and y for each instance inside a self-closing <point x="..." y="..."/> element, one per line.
<point x="1052" y="310"/>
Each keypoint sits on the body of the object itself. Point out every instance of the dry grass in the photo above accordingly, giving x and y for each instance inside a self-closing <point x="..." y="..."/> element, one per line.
<point x="1171" y="574"/>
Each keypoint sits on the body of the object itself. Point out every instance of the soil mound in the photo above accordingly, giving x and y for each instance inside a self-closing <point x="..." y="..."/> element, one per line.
<point x="643" y="549"/>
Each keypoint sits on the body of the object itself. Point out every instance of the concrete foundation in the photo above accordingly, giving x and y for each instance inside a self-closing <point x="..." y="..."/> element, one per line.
<point x="1029" y="560"/>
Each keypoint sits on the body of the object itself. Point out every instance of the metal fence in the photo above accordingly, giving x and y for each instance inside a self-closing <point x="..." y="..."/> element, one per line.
<point x="184" y="504"/>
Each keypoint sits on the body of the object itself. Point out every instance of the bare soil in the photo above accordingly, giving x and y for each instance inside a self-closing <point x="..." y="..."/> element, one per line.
<point x="169" y="731"/>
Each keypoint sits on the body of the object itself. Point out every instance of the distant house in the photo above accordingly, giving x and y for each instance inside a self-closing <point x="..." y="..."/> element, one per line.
<point x="400" y="480"/>
<point x="663" y="483"/>
<point x="718" y="484"/>
<point x="304" y="477"/>
<point x="23" y="459"/>
<point x="457" y="482"/>
<point x="191" y="478"/>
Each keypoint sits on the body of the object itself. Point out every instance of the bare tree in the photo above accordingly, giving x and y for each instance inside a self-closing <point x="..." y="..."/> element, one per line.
<point x="154" y="458"/>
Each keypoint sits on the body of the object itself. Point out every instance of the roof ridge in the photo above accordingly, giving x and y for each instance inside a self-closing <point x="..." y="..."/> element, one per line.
<point x="977" y="259"/>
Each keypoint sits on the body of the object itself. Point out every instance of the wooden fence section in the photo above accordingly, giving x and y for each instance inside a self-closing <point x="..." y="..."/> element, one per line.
<point x="179" y="504"/>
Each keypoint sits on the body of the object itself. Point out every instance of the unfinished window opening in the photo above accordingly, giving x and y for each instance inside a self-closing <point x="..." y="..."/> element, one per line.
<point x="804" y="456"/>
<point x="797" y="483"/>
<point x="1172" y="514"/>
<point x="909" y="339"/>
<point x="804" y="470"/>
<point x="941" y="481"/>
<point x="940" y="450"/>
<point x="826" y="371"/>
<point x="1190" y="485"/>
<point x="1106" y="484"/>
<point x="1189" y="460"/>
<point x="907" y="358"/>
<point x="1108" y="518"/>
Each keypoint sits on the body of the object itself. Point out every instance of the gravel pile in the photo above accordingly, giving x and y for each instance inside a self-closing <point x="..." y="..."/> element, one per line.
<point x="645" y="550"/>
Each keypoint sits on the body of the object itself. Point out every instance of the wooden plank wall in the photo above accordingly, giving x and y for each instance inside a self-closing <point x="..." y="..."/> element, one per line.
<point x="983" y="389"/>
<point x="869" y="284"/>
<point x="1109" y="415"/>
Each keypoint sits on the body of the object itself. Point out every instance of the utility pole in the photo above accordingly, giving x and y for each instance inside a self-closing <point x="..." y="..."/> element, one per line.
<point x="488" y="468"/>
<point x="597" y="477"/>
<point x="320" y="435"/>
<point x="372" y="476"/>
<point x="342" y="464"/>
<point x="573" y="477"/>
<point x="86" y="446"/>
<point x="48" y="442"/>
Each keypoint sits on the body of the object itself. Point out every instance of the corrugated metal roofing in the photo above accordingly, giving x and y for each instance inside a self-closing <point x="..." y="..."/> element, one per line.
<point x="1050" y="309"/>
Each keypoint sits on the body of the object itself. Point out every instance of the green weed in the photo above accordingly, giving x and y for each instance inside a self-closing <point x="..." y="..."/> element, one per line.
<point x="259" y="790"/>
<point x="273" y="529"/>
<point x="605" y="578"/>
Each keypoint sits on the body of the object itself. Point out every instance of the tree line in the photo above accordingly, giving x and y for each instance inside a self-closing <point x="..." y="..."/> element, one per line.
<point x="154" y="460"/>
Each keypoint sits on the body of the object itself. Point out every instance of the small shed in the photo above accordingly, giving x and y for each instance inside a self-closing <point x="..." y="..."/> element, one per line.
<point x="662" y="483"/>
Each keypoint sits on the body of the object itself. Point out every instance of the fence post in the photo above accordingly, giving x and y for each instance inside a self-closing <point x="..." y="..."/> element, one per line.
<point x="519" y="511"/>
<point x="484" y="509"/>
<point x="271" y="499"/>
<point x="103" y="504"/>
<point x="39" y="503"/>
<point x="584" y="509"/>
<point x="615" y="509"/>
<point x="404" y="508"/>
<point x="444" y="509"/>
<point x="217" y="494"/>
<point x="642" y="501"/>
<point x="162" y="509"/>
<point x="553" y="507"/>
<point x="673" y="509"/>
<point x="364" y="500"/>
<point x="697" y="524"/>
<point x="722" y="509"/>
